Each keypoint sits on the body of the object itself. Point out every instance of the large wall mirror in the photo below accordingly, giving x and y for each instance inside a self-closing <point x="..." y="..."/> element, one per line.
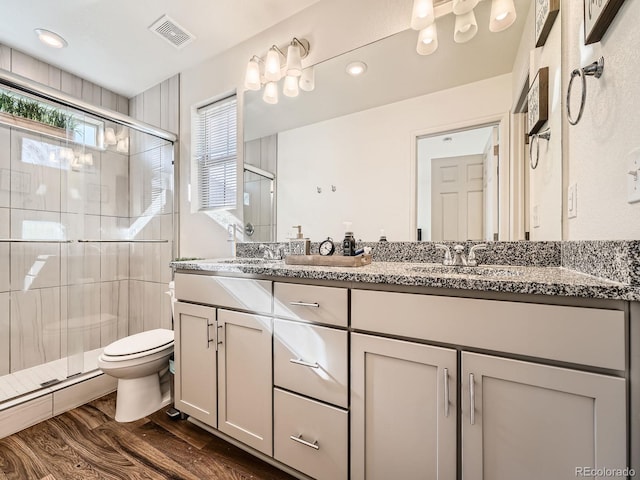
<point x="379" y="150"/>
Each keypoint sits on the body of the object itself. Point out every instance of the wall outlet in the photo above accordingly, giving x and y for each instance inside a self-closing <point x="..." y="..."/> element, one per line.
<point x="536" y="217"/>
<point x="572" y="201"/>
<point x="633" y="176"/>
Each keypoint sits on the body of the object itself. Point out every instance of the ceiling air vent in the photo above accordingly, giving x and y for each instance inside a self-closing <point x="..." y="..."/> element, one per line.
<point x="173" y="33"/>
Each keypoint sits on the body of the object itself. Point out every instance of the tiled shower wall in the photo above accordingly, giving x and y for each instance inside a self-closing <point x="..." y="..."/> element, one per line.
<point x="45" y="288"/>
<point x="151" y="174"/>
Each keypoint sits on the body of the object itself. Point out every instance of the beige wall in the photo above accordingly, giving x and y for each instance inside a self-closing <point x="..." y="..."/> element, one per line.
<point x="596" y="149"/>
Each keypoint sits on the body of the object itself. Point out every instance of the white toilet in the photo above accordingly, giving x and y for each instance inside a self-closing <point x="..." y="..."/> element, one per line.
<point x="140" y="362"/>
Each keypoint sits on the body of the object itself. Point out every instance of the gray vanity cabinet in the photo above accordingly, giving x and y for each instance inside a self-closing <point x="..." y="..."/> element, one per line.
<point x="403" y="407"/>
<point x="224" y="356"/>
<point x="530" y="421"/>
<point x="195" y="361"/>
<point x="244" y="378"/>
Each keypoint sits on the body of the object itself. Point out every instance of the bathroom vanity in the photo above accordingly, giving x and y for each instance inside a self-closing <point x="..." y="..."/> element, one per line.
<point x="401" y="370"/>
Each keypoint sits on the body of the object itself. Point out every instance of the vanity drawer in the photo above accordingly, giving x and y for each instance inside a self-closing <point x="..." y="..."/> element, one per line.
<point x="230" y="292"/>
<point x="322" y="428"/>
<point x="587" y="336"/>
<point x="311" y="303"/>
<point x="311" y="360"/>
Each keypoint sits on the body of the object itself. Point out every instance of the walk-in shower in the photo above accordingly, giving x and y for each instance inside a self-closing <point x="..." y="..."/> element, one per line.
<point x="86" y="233"/>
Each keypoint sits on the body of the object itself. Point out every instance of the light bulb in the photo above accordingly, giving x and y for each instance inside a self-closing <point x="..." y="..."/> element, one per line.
<point x="290" y="88"/>
<point x="252" y="76"/>
<point x="270" y="93"/>
<point x="503" y="14"/>
<point x="356" y="68"/>
<point x="422" y="15"/>
<point x="49" y="38"/>
<point x="461" y="7"/>
<point x="294" y="63"/>
<point x="465" y="27"/>
<point x="272" y="71"/>
<point x="110" y="136"/>
<point x="307" y="80"/>
<point x="427" y="40"/>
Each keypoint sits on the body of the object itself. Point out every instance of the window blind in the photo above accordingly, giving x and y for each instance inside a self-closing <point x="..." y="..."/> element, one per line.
<point x="216" y="155"/>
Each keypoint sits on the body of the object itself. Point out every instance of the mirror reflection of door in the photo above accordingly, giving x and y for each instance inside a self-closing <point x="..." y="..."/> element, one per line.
<point x="458" y="185"/>
<point x="457" y="198"/>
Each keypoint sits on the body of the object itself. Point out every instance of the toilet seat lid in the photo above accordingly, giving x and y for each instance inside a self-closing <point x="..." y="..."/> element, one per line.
<point x="140" y="342"/>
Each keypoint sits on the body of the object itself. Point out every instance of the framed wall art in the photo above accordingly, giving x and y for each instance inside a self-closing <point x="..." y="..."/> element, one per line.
<point x="538" y="101"/>
<point x="546" y="13"/>
<point x="598" y="15"/>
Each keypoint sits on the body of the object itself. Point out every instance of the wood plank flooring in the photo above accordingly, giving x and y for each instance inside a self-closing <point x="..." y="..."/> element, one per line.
<point x="87" y="443"/>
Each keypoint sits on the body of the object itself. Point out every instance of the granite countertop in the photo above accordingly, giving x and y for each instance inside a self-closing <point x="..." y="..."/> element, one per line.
<point x="536" y="280"/>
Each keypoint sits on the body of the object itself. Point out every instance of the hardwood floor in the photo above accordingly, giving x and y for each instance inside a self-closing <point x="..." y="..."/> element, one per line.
<point x="87" y="443"/>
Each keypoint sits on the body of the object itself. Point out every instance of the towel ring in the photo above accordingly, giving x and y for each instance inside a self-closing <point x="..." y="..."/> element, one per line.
<point x="546" y="135"/>
<point x="595" y="70"/>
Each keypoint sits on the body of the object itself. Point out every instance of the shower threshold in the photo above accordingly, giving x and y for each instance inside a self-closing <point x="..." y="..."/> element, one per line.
<point x="33" y="381"/>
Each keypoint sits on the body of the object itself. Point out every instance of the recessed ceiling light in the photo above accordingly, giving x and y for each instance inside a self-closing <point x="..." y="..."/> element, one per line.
<point x="51" y="39"/>
<point x="356" y="68"/>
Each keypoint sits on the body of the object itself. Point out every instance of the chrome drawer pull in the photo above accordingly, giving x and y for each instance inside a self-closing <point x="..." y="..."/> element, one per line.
<point x="299" y="439"/>
<point x="305" y="304"/>
<point x="446" y="392"/>
<point x="299" y="361"/>
<point x="472" y="395"/>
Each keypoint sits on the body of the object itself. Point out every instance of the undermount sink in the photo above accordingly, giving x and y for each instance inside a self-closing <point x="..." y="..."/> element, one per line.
<point x="482" y="271"/>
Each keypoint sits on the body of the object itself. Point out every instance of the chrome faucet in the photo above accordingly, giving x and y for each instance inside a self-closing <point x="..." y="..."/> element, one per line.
<point x="459" y="258"/>
<point x="447" y="254"/>
<point x="472" y="261"/>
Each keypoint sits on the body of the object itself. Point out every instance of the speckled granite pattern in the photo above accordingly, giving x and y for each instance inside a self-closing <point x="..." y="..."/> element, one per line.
<point x="524" y="280"/>
<point x="535" y="254"/>
<point x="613" y="260"/>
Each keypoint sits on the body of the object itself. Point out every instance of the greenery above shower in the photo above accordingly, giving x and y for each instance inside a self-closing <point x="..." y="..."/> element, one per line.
<point x="23" y="107"/>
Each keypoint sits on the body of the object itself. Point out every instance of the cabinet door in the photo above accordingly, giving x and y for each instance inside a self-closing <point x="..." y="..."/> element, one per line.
<point x="403" y="400"/>
<point x="529" y="421"/>
<point x="245" y="378"/>
<point x="195" y="361"/>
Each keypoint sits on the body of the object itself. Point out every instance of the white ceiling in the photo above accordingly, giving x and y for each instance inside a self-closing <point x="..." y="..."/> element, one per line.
<point x="110" y="43"/>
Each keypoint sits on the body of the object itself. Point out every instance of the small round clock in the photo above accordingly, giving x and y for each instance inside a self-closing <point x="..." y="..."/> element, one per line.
<point x="327" y="247"/>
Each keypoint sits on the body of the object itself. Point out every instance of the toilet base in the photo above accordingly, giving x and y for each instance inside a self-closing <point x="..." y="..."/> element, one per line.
<point x="139" y="397"/>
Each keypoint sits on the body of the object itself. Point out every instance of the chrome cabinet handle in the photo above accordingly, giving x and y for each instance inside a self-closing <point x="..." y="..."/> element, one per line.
<point x="446" y="392"/>
<point x="209" y="340"/>
<point x="472" y="398"/>
<point x="218" y="336"/>
<point x="299" y="361"/>
<point x="305" y="304"/>
<point x="299" y="439"/>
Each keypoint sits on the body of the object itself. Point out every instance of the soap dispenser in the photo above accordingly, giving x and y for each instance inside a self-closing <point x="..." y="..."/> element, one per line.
<point x="349" y="242"/>
<point x="300" y="245"/>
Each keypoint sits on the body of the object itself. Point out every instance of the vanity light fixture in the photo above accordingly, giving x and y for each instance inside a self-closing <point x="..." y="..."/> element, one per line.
<point x="49" y="38"/>
<point x="295" y="77"/>
<point x="308" y="79"/>
<point x="252" y="75"/>
<point x="424" y="16"/>
<point x="355" y="69"/>
<point x="270" y="94"/>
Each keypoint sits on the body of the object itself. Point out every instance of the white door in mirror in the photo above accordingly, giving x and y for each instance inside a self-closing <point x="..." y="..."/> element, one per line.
<point x="633" y="177"/>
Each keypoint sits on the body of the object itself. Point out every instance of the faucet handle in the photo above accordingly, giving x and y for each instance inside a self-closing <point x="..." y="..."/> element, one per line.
<point x="447" y="253"/>
<point x="471" y="260"/>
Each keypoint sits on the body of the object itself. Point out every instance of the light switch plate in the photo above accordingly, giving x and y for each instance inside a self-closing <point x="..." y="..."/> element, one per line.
<point x="572" y="201"/>
<point x="633" y="176"/>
